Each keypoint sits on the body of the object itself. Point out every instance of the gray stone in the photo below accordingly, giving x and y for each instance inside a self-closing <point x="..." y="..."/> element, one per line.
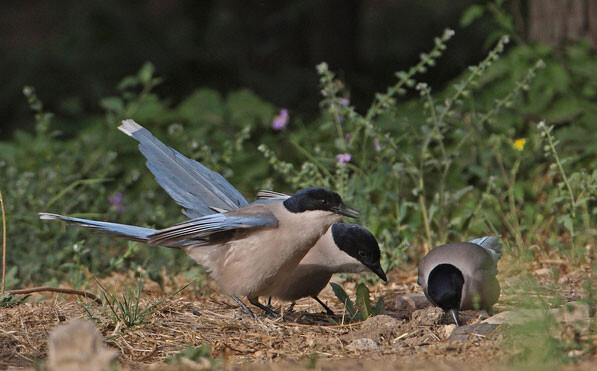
<point x="570" y="312"/>
<point x="473" y="332"/>
<point x="363" y="344"/>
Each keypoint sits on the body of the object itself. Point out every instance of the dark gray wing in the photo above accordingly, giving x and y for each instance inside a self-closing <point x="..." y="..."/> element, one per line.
<point x="203" y="227"/>
<point x="192" y="185"/>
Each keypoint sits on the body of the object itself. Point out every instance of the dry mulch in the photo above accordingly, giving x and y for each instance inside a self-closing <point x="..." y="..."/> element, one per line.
<point x="302" y="338"/>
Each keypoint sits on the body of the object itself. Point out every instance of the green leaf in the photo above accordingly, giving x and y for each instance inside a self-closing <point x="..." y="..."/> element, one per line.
<point x="363" y="301"/>
<point x="344" y="299"/>
<point x="112" y="104"/>
<point x="379" y="307"/>
<point x="471" y="14"/>
<point x="146" y="72"/>
<point x="128" y="82"/>
<point x="567" y="221"/>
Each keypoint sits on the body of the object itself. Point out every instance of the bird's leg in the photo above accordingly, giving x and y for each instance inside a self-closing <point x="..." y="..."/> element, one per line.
<point x="269" y="302"/>
<point x="327" y="309"/>
<point x="243" y="307"/>
<point x="454" y="314"/>
<point x="255" y="302"/>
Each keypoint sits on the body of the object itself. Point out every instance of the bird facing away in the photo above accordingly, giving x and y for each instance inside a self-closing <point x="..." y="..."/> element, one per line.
<point x="462" y="276"/>
<point x="344" y="248"/>
<point x="246" y="250"/>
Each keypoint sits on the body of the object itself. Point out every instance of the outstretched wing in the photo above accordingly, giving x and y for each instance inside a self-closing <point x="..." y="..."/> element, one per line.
<point x="191" y="184"/>
<point x="199" y="230"/>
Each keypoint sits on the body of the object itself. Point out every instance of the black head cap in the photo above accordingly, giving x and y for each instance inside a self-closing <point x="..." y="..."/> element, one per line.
<point x="444" y="286"/>
<point x="317" y="198"/>
<point x="359" y="243"/>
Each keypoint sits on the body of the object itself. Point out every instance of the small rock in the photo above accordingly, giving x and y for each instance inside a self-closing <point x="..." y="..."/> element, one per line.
<point x="574" y="311"/>
<point x="363" y="344"/>
<point x="411" y="302"/>
<point x="472" y="332"/>
<point x="428" y="316"/>
<point x="78" y="345"/>
<point x="447" y="330"/>
<point x="513" y="317"/>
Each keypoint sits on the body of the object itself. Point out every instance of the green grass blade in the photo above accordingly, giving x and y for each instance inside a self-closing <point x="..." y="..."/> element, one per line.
<point x="344" y="299"/>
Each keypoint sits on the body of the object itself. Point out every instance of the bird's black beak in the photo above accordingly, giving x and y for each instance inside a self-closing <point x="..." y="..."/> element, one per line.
<point x="346" y="211"/>
<point x="379" y="271"/>
<point x="454" y="314"/>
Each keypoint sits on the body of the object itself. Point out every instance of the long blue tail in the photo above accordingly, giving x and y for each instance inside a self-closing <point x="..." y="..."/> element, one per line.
<point x="129" y="232"/>
<point x="491" y="244"/>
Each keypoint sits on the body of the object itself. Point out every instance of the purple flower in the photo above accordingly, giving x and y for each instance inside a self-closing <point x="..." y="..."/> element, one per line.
<point x="343" y="158"/>
<point x="116" y="201"/>
<point x="376" y="144"/>
<point x="345" y="102"/>
<point x="281" y="120"/>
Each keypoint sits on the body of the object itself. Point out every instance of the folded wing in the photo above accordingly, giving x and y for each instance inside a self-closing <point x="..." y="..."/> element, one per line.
<point x="199" y="230"/>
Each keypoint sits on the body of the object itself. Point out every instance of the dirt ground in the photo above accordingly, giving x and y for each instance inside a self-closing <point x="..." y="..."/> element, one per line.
<point x="408" y="335"/>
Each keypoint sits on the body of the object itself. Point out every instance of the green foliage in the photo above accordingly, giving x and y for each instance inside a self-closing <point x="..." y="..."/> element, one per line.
<point x="361" y="309"/>
<point x="125" y="309"/>
<point x="444" y="167"/>
<point x="197" y="356"/>
<point x="44" y="171"/>
<point x="8" y="300"/>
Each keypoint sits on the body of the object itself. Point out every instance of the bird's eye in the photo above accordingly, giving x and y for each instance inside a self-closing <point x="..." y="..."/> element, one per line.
<point x="362" y="254"/>
<point x="324" y="202"/>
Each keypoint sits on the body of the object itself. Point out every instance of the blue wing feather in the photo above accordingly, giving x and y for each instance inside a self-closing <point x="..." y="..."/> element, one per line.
<point x="191" y="184"/>
<point x="203" y="227"/>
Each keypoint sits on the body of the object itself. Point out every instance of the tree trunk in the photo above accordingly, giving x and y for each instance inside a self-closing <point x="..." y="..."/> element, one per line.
<point x="553" y="22"/>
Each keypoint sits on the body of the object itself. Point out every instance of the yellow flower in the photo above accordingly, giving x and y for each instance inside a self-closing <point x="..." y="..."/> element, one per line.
<point x="519" y="144"/>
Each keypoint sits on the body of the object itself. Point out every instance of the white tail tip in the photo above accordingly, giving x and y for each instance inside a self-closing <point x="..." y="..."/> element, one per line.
<point x="129" y="126"/>
<point x="48" y="216"/>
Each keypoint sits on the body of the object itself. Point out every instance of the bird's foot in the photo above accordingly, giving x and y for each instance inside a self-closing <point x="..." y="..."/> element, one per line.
<point x="244" y="310"/>
<point x="266" y="309"/>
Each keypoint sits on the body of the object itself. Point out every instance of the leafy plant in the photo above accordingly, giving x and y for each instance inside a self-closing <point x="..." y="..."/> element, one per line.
<point x="126" y="308"/>
<point x="8" y="300"/>
<point x="361" y="309"/>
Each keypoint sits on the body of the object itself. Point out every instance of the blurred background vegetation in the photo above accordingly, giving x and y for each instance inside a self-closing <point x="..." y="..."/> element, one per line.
<point x="439" y="152"/>
<point x="76" y="52"/>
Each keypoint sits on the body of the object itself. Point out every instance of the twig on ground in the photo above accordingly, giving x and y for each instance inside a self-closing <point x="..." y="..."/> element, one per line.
<point x="56" y="289"/>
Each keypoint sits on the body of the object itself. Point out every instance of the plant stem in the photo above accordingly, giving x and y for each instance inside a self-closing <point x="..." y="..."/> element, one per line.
<point x="425" y="223"/>
<point x="562" y="172"/>
<point x="3" y="243"/>
<point x="511" y="199"/>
